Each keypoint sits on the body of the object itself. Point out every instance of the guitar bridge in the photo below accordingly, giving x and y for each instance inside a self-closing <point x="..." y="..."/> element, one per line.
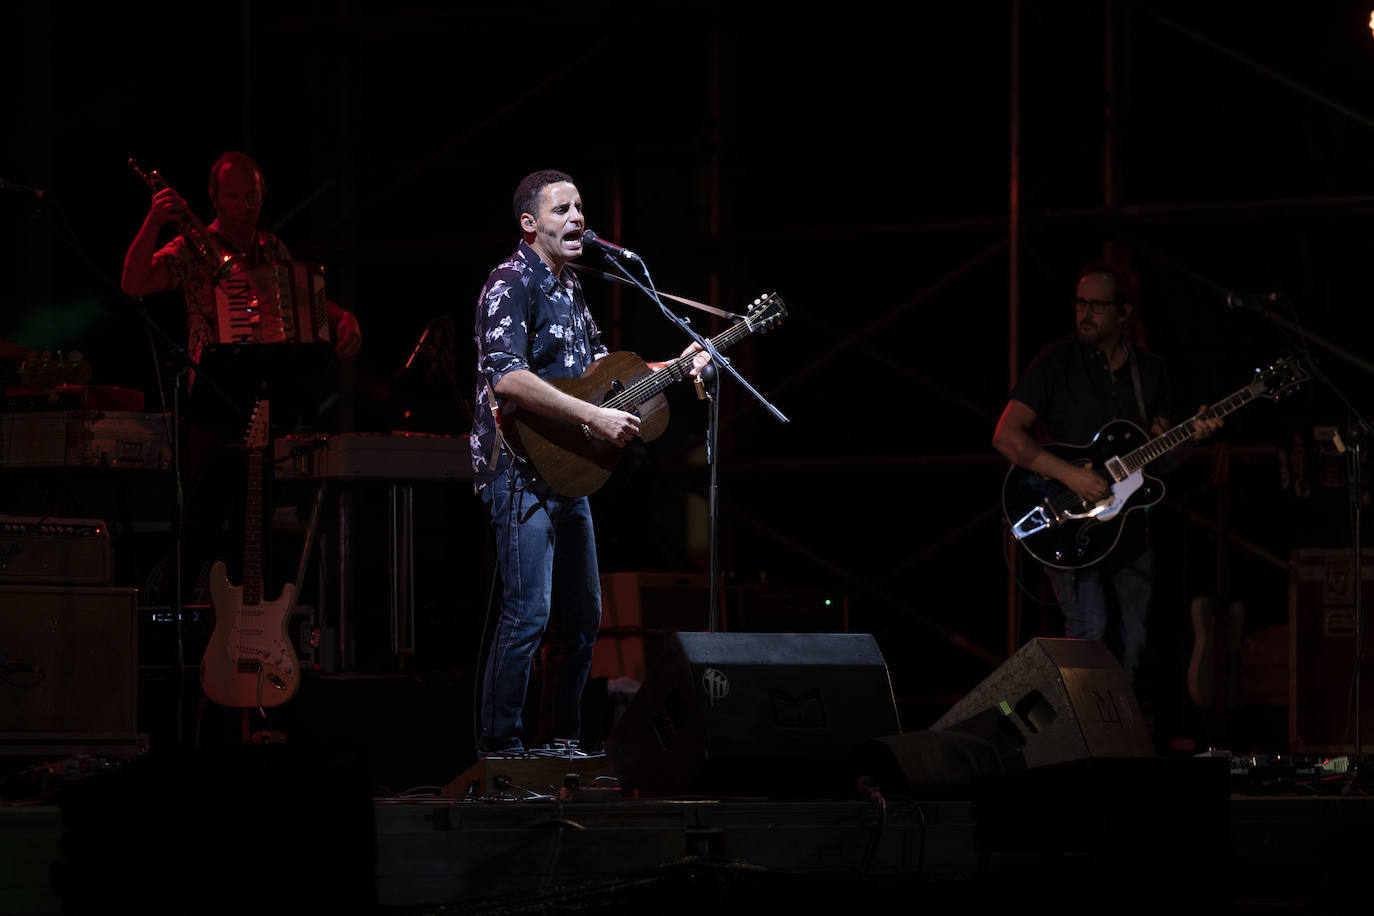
<point x="1034" y="522"/>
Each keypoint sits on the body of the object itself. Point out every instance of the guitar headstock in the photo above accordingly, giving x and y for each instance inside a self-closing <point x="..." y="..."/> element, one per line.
<point x="765" y="312"/>
<point x="256" y="437"/>
<point x="49" y="373"/>
<point x="1278" y="378"/>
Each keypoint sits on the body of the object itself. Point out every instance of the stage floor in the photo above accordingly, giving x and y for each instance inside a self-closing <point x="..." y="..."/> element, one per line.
<point x="283" y="833"/>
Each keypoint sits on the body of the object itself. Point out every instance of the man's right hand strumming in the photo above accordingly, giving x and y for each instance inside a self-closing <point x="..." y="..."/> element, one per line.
<point x="1086" y="482"/>
<point x="613" y="425"/>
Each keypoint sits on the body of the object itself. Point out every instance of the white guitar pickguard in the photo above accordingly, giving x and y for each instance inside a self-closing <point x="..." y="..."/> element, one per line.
<point x="1111" y="505"/>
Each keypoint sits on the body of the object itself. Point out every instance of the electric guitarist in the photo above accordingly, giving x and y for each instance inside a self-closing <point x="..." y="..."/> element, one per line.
<point x="1070" y="390"/>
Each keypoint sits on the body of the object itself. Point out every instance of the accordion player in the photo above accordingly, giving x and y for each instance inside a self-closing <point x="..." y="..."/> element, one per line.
<point x="276" y="302"/>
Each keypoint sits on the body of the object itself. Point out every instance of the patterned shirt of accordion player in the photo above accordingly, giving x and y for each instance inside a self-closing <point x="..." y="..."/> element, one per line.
<point x="195" y="278"/>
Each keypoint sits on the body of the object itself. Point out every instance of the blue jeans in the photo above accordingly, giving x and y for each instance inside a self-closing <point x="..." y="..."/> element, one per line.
<point x="1082" y="596"/>
<point x="546" y="555"/>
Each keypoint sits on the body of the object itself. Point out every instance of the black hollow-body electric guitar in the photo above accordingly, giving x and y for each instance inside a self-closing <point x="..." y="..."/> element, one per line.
<point x="1060" y="528"/>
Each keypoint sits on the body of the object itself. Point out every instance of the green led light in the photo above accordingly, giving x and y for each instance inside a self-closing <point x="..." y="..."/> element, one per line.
<point x="1005" y="707"/>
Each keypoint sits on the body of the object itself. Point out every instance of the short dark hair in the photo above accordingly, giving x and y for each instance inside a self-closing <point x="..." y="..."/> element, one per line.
<point x="527" y="192"/>
<point x="234" y="156"/>
<point x="1127" y="283"/>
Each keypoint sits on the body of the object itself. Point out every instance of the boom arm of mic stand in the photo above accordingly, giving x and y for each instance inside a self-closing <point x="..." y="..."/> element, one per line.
<point x="701" y="306"/>
<point x="1315" y="338"/>
<point x="1285" y="325"/>
<point x="720" y="361"/>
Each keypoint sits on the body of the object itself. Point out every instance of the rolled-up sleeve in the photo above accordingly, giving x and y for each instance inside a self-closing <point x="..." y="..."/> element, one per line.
<point x="502" y="327"/>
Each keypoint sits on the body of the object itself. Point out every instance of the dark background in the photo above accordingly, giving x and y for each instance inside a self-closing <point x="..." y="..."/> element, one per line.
<point x="855" y="159"/>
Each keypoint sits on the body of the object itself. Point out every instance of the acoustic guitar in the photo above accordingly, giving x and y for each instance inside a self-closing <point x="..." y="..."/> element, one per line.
<point x="575" y="464"/>
<point x="249" y="660"/>
<point x="1060" y="528"/>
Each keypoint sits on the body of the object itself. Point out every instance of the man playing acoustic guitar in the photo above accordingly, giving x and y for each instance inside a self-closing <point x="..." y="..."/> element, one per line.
<point x="1073" y="387"/>
<point x="533" y="325"/>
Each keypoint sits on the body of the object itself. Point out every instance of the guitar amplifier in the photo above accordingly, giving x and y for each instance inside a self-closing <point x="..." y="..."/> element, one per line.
<point x="55" y="551"/>
<point x="70" y="660"/>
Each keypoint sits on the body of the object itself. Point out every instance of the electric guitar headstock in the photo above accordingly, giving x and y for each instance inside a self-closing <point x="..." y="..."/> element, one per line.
<point x="257" y="436"/>
<point x="1278" y="378"/>
<point x="765" y="312"/>
<point x="46" y="374"/>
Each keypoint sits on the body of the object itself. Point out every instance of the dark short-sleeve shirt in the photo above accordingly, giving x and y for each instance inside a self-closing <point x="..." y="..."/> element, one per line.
<point x="1072" y="389"/>
<point x="526" y="319"/>
<point x="1074" y="392"/>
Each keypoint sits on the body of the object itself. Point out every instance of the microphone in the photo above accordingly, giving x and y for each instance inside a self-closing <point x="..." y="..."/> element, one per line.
<point x="611" y="248"/>
<point x="1251" y="300"/>
<point x="11" y="186"/>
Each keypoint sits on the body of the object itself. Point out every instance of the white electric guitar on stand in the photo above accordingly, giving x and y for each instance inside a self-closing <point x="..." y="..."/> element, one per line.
<point x="249" y="660"/>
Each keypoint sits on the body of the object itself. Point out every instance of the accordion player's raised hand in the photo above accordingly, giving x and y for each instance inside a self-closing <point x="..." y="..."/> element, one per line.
<point x="167" y="206"/>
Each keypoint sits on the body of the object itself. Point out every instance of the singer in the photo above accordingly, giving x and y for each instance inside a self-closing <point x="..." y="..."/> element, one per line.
<point x="533" y="324"/>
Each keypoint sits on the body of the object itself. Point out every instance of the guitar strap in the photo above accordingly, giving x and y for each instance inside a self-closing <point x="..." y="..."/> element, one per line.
<point x="500" y="439"/>
<point x="1135" y="381"/>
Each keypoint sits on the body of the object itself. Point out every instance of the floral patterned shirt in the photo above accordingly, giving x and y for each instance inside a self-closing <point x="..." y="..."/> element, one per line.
<point x="526" y="319"/>
<point x="195" y="278"/>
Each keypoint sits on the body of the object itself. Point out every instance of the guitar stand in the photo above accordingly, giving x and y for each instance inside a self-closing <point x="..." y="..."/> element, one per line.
<point x="401" y="570"/>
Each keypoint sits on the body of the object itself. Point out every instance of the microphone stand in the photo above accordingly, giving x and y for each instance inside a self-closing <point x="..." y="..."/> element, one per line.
<point x="720" y="362"/>
<point x="710" y="381"/>
<point x="1359" y="432"/>
<point x="1356" y="499"/>
<point x="184" y="363"/>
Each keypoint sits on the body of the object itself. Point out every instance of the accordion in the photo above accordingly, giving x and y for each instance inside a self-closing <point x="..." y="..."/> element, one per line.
<point x="277" y="302"/>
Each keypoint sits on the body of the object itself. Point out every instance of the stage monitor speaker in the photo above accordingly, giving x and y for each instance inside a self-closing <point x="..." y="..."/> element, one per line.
<point x="774" y="714"/>
<point x="69" y="657"/>
<point x="639" y="611"/>
<point x="1054" y="701"/>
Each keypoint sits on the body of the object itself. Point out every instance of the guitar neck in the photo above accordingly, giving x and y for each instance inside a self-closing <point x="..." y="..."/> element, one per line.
<point x="1166" y="442"/>
<point x="677" y="370"/>
<point x="252" y="533"/>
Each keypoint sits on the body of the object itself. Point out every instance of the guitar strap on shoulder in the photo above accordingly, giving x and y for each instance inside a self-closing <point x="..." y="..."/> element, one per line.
<point x="500" y="439"/>
<point x="1135" y="381"/>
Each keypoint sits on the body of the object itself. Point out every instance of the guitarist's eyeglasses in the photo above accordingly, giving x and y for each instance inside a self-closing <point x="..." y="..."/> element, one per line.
<point x="1096" y="306"/>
